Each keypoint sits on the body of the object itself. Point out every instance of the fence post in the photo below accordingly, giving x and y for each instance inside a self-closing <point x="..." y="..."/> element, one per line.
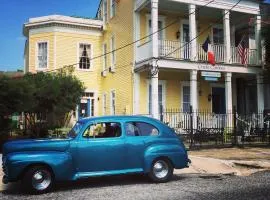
<point x="191" y="126"/>
<point x="161" y="113"/>
<point x="234" y="125"/>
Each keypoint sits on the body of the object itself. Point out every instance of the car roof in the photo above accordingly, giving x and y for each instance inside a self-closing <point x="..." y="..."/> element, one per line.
<point x="120" y="117"/>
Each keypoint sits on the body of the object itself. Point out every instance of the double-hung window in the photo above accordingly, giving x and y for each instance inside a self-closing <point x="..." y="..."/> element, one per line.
<point x="84" y="56"/>
<point x="42" y="57"/>
<point x="105" y="11"/>
<point x="113" y="8"/>
<point x="104" y="104"/>
<point x="218" y="35"/>
<point x="113" y="53"/>
<point x="104" y="57"/>
<point x="186" y="98"/>
<point x="112" y="102"/>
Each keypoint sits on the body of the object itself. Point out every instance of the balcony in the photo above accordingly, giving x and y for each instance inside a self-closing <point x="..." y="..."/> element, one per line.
<point x="181" y="51"/>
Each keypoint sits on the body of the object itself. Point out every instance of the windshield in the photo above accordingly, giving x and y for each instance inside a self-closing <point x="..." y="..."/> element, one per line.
<point x="75" y="130"/>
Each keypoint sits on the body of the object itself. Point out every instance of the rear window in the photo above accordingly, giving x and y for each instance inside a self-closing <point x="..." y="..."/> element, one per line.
<point x="140" y="129"/>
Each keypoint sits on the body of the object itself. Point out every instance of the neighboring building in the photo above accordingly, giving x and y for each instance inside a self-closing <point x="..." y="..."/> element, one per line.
<point x="119" y="82"/>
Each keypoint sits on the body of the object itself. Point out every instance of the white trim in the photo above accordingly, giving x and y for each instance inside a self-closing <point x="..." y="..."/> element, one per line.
<point x="163" y="84"/>
<point x="89" y="90"/>
<point x="78" y="56"/>
<point x="53" y="28"/>
<point x="104" y="63"/>
<point x="163" y="21"/>
<point x="111" y="15"/>
<point x="36" y="55"/>
<point x="113" y="54"/>
<point x="111" y="107"/>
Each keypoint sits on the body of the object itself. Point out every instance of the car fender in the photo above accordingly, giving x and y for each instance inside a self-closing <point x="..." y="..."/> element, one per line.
<point x="59" y="162"/>
<point x="175" y="153"/>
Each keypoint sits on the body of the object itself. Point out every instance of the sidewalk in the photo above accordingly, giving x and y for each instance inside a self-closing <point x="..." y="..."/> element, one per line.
<point x="233" y="161"/>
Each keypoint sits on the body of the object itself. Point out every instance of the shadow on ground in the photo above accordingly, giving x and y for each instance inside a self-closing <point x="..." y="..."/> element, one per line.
<point x="96" y="182"/>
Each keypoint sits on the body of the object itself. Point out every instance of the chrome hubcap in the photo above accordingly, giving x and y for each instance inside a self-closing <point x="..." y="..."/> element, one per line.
<point x="161" y="169"/>
<point x="41" y="179"/>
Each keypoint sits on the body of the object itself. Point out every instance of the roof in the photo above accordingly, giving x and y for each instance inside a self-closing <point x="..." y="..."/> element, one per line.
<point x="63" y="20"/>
<point x="119" y="117"/>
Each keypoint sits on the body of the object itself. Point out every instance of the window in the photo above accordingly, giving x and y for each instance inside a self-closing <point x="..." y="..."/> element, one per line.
<point x="86" y="108"/>
<point x="113" y="52"/>
<point x="218" y="36"/>
<point x="160" y="26"/>
<point x="104" y="57"/>
<point x="42" y="55"/>
<point x="112" y="102"/>
<point x="85" y="56"/>
<point x="104" y="104"/>
<point x="105" y="13"/>
<point x="160" y="98"/>
<point x="186" y="98"/>
<point x="140" y="129"/>
<point x="103" y="130"/>
<point x="113" y="8"/>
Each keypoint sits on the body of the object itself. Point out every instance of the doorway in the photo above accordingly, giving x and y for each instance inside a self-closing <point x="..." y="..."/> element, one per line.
<point x="218" y="100"/>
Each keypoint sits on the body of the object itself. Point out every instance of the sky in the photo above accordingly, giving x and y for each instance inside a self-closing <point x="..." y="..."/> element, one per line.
<point x="14" y="13"/>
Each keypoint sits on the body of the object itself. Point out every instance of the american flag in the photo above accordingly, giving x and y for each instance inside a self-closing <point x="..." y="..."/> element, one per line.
<point x="243" y="51"/>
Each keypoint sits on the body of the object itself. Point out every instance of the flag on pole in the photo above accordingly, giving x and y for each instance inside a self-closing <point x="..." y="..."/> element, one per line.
<point x="208" y="49"/>
<point x="243" y="50"/>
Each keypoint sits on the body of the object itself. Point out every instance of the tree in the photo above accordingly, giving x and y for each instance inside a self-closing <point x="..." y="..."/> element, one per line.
<point x="48" y="97"/>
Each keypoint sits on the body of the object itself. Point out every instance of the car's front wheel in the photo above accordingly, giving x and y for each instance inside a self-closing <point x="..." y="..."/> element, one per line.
<point x="38" y="179"/>
<point x="161" y="170"/>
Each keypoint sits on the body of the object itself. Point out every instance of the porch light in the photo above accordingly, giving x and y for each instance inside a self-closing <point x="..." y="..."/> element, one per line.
<point x="177" y="34"/>
<point x="209" y="97"/>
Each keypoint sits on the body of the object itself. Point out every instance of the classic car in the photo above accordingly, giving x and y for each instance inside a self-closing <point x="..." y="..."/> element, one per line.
<point x="96" y="146"/>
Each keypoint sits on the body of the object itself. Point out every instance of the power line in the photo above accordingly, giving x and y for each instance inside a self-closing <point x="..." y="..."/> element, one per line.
<point x="134" y="42"/>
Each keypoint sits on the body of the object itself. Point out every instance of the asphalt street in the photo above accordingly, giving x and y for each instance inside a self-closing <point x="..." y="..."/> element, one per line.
<point x="186" y="186"/>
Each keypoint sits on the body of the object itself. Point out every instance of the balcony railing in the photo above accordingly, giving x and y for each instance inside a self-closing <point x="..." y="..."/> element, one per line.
<point x="182" y="51"/>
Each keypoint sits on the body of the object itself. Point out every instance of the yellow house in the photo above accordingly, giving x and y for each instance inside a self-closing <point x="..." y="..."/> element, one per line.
<point x="139" y="56"/>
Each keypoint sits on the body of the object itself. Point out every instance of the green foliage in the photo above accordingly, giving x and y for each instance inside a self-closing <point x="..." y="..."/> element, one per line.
<point x="46" y="96"/>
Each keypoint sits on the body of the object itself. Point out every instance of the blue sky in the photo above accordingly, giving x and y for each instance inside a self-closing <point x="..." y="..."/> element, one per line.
<point x="14" y="13"/>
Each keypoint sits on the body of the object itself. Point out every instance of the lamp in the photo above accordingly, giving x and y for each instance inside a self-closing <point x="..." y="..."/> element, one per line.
<point x="178" y="34"/>
<point x="209" y="97"/>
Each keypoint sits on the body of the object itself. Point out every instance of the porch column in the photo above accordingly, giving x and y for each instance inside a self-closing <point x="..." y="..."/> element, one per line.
<point x="193" y="89"/>
<point x="154" y="70"/>
<point x="258" y="39"/>
<point x="260" y="93"/>
<point x="228" y="91"/>
<point x="136" y="94"/>
<point x="227" y="35"/>
<point x="192" y="32"/>
<point x="194" y="95"/>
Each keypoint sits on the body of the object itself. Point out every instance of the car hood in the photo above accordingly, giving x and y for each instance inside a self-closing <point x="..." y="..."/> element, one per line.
<point x="36" y="145"/>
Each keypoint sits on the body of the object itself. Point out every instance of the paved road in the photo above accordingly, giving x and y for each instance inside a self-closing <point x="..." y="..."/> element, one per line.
<point x="188" y="186"/>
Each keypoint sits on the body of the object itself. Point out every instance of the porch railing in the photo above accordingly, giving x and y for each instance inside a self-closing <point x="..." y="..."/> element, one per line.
<point x="204" y="127"/>
<point x="181" y="51"/>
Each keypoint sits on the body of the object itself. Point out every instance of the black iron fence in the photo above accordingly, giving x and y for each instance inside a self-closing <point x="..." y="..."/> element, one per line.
<point x="203" y="128"/>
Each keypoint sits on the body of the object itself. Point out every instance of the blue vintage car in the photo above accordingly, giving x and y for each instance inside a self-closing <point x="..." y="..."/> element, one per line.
<point x="96" y="147"/>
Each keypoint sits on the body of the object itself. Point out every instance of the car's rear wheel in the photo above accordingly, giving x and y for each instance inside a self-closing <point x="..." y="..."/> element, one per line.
<point x="38" y="179"/>
<point x="161" y="170"/>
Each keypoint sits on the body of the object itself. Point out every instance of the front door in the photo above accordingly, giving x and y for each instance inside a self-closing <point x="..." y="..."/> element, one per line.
<point x="101" y="149"/>
<point x="218" y="100"/>
<point x="185" y="42"/>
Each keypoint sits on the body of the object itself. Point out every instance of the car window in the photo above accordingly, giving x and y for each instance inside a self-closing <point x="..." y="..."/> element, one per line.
<point x="140" y="129"/>
<point x="103" y="130"/>
<point x="75" y="130"/>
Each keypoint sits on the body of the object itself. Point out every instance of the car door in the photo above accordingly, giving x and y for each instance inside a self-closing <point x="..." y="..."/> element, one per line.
<point x="98" y="153"/>
<point x="139" y="136"/>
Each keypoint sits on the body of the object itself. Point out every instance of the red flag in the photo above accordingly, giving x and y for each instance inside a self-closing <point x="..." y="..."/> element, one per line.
<point x="208" y="49"/>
